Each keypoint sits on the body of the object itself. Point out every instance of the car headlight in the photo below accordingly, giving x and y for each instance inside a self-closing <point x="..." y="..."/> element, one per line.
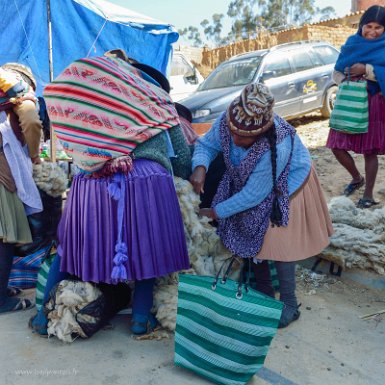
<point x="200" y="113"/>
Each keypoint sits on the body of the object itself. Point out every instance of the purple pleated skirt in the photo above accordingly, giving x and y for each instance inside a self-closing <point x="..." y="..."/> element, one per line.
<point x="373" y="142"/>
<point x="152" y="226"/>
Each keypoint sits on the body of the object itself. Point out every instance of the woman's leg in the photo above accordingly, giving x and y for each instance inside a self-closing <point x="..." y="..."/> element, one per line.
<point x="6" y="257"/>
<point x="263" y="278"/>
<point x="286" y="277"/>
<point x="371" y="168"/>
<point x="7" y="303"/>
<point x="347" y="161"/>
<point x="141" y="306"/>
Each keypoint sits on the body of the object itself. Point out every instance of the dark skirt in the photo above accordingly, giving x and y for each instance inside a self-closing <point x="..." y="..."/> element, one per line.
<point x="372" y="142"/>
<point x="152" y="226"/>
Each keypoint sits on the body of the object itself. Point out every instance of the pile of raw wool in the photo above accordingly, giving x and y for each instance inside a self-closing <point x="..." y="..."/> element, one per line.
<point x="206" y="251"/>
<point x="50" y="178"/>
<point x="359" y="238"/>
<point x="64" y="317"/>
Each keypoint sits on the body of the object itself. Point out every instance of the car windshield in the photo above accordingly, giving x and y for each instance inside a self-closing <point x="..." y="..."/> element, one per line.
<point x="233" y="73"/>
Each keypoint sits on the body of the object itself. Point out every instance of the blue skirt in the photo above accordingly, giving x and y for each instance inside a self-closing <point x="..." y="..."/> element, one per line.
<point x="152" y="226"/>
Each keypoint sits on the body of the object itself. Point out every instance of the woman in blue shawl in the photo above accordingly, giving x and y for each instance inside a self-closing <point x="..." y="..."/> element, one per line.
<point x="363" y="56"/>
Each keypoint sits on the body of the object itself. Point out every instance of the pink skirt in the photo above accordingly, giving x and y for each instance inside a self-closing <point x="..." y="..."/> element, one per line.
<point x="372" y="142"/>
<point x="308" y="230"/>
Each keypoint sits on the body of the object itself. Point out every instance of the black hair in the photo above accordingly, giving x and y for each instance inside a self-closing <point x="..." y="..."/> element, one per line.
<point x="154" y="74"/>
<point x="276" y="213"/>
<point x="375" y="13"/>
<point x="183" y="111"/>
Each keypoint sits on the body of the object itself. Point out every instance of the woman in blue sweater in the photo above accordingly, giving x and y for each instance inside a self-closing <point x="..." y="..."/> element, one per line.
<point x="269" y="204"/>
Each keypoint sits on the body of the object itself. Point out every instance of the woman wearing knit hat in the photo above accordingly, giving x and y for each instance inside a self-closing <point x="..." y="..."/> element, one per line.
<point x="269" y="204"/>
<point x="19" y="196"/>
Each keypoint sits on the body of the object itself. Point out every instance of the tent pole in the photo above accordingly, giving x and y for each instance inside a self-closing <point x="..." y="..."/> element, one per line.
<point x="50" y="61"/>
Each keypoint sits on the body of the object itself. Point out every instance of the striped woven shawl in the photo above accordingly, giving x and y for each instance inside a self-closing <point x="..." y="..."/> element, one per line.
<point x="102" y="109"/>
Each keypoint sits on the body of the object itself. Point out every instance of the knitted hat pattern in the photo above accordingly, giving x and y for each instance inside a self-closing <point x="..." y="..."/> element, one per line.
<point x="252" y="111"/>
<point x="22" y="69"/>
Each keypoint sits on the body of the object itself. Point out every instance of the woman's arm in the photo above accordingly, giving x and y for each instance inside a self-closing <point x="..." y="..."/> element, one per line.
<point x="206" y="149"/>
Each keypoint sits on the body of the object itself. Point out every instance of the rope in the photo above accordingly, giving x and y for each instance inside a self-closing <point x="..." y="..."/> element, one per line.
<point x="97" y="37"/>
<point x="26" y="36"/>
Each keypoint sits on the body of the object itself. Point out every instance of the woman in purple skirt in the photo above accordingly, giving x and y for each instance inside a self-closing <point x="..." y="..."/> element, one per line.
<point x="122" y="219"/>
<point x="363" y="56"/>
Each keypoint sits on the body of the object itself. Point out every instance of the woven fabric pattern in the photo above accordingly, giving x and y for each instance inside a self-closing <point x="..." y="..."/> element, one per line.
<point x="25" y="269"/>
<point x="102" y="108"/>
<point x="219" y="336"/>
<point x="350" y="112"/>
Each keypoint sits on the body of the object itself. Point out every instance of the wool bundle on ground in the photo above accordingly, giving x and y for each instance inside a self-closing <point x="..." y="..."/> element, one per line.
<point x="359" y="238"/>
<point x="50" y="178"/>
<point x="206" y="251"/>
<point x="64" y="309"/>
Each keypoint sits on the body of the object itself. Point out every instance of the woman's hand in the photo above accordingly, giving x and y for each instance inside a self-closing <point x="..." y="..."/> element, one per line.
<point x="210" y="213"/>
<point x="198" y="178"/>
<point x="36" y="160"/>
<point x="357" y="69"/>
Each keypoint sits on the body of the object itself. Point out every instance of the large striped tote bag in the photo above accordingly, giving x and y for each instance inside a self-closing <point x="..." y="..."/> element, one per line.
<point x="223" y="328"/>
<point x="350" y="113"/>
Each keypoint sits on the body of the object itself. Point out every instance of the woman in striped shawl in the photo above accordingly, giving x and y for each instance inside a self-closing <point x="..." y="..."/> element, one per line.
<point x="122" y="220"/>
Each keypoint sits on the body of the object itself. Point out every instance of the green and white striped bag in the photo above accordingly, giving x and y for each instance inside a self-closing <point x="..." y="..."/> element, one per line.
<point x="42" y="277"/>
<point x="350" y="113"/>
<point x="224" y="330"/>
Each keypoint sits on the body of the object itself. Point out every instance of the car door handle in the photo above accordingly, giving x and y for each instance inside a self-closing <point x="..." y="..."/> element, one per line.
<point x="291" y="85"/>
<point x="325" y="76"/>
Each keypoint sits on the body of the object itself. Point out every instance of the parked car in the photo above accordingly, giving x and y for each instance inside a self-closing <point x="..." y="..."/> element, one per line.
<point x="299" y="75"/>
<point x="184" y="77"/>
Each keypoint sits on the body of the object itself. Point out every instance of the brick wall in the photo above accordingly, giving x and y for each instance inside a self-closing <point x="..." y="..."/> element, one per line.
<point x="335" y="35"/>
<point x="362" y="5"/>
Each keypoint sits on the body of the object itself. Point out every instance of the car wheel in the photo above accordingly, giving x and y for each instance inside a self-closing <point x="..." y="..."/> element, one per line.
<point x="329" y="100"/>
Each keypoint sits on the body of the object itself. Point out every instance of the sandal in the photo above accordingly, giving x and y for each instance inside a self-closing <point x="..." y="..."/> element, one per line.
<point x="365" y="203"/>
<point x="13" y="291"/>
<point x="353" y="186"/>
<point x="13" y="304"/>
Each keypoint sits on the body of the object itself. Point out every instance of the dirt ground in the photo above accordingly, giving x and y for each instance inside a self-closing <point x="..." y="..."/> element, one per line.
<point x="313" y="130"/>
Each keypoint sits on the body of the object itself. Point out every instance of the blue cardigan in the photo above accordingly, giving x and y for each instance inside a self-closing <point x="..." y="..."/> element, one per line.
<point x="260" y="181"/>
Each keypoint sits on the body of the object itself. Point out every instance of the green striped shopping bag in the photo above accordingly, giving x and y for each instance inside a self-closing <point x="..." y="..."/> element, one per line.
<point x="42" y="276"/>
<point x="223" y="329"/>
<point x="350" y="113"/>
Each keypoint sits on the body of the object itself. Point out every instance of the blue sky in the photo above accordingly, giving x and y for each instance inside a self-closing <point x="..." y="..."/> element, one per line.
<point x="183" y="13"/>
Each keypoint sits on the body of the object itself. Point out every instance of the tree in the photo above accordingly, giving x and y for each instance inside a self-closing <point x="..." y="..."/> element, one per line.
<point x="192" y="34"/>
<point x="249" y="17"/>
<point x="245" y="19"/>
<point x="213" y="31"/>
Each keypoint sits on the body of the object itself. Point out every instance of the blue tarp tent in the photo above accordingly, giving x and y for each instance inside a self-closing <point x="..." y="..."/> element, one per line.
<point x="80" y="28"/>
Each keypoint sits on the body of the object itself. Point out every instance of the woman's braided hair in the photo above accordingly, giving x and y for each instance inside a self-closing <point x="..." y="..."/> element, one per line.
<point x="276" y="213"/>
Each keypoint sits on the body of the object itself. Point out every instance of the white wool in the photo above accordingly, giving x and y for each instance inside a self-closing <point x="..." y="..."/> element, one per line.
<point x="359" y="238"/>
<point x="50" y="178"/>
<point x="70" y="297"/>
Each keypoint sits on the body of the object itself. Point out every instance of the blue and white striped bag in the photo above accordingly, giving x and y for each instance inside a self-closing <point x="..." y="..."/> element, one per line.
<point x="24" y="269"/>
<point x="224" y="330"/>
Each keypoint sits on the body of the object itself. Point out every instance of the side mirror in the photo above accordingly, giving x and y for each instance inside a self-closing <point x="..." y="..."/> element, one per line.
<point x="191" y="77"/>
<point x="267" y="75"/>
